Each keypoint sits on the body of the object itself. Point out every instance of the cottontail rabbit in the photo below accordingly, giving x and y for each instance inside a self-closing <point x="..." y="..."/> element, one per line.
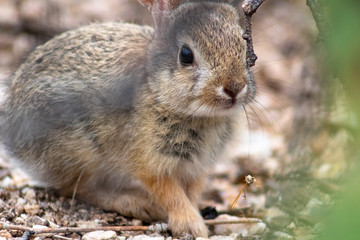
<point x="133" y="117"/>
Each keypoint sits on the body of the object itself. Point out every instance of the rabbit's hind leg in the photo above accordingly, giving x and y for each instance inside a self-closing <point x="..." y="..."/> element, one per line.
<point x="134" y="203"/>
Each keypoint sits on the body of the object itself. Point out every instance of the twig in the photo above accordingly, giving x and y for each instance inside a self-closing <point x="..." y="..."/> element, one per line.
<point x="152" y="228"/>
<point x="61" y="237"/>
<point x="238" y="221"/>
<point x="318" y="15"/>
<point x="249" y="7"/>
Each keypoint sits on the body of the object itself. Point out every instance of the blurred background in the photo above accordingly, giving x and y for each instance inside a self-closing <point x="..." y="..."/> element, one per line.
<point x="300" y="137"/>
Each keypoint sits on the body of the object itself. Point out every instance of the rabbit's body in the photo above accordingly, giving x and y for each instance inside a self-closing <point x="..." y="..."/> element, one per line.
<point x="117" y="113"/>
<point x="58" y="95"/>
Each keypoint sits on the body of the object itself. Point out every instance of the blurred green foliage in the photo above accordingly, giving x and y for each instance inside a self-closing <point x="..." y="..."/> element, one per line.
<point x="343" y="46"/>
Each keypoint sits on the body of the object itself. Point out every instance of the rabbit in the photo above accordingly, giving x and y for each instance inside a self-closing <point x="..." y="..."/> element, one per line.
<point x="133" y="118"/>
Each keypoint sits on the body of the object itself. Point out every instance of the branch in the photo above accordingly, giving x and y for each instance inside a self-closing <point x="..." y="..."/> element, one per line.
<point x="318" y="15"/>
<point x="238" y="221"/>
<point x="249" y="7"/>
<point x="152" y="228"/>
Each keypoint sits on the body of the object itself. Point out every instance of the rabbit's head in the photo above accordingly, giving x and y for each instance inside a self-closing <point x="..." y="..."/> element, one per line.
<point x="197" y="60"/>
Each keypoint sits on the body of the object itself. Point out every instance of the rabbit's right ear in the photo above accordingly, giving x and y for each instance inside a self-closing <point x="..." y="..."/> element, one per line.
<point x="159" y="9"/>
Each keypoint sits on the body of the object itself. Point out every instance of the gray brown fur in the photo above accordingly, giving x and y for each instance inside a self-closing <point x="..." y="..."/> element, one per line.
<point x="111" y="105"/>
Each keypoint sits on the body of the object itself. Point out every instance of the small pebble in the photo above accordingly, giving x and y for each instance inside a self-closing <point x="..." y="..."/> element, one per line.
<point x="100" y="235"/>
<point x="156" y="235"/>
<point x="136" y="222"/>
<point x="186" y="236"/>
<point x="145" y="237"/>
<point x="6" y="182"/>
<point x="245" y="229"/>
<point x="36" y="220"/>
<point x="282" y="235"/>
<point x="54" y="207"/>
<point x="31" y="209"/>
<point x="29" y="194"/>
<point x="8" y="215"/>
<point x="277" y="218"/>
<point x="222" y="238"/>
<point x="19" y="220"/>
<point x="5" y="234"/>
<point x="2" y="205"/>
<point x="20" y="201"/>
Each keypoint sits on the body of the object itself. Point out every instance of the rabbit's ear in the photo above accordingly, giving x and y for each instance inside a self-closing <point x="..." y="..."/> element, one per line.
<point x="160" y="8"/>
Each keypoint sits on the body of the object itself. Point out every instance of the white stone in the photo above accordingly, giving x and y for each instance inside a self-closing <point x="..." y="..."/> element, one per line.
<point x="282" y="235"/>
<point x="144" y="237"/>
<point x="222" y="238"/>
<point x="245" y="229"/>
<point x="100" y="235"/>
<point x="6" y="182"/>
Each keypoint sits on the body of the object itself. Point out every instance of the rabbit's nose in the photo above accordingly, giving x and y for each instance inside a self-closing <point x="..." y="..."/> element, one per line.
<point x="233" y="90"/>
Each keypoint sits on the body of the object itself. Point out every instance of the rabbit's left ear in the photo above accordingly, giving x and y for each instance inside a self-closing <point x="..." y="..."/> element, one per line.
<point x="159" y="9"/>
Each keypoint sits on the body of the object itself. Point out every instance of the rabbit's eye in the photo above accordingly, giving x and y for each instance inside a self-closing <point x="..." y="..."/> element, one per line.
<point x="186" y="56"/>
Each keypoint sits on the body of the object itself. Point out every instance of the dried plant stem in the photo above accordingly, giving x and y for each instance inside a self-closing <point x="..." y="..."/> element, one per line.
<point x="249" y="7"/>
<point x="152" y="228"/>
<point x="318" y="14"/>
<point x="72" y="229"/>
<point x="237" y="197"/>
<point x="248" y="180"/>
<point x="237" y="221"/>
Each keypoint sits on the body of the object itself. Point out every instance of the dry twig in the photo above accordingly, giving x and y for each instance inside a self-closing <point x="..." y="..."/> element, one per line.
<point x="152" y="228"/>
<point x="318" y="14"/>
<point x="249" y="7"/>
<point x="238" y="221"/>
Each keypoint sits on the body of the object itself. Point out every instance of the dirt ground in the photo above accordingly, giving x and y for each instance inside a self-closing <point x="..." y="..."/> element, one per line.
<point x="284" y="135"/>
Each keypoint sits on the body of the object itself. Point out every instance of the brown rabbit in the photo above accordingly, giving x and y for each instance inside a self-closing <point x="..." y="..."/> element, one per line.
<point x="136" y="116"/>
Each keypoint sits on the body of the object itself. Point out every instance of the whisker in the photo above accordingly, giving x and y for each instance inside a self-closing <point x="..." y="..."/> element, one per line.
<point x="270" y="119"/>
<point x="266" y="98"/>
<point x="259" y="120"/>
<point x="193" y="113"/>
<point x="261" y="67"/>
<point x="248" y="123"/>
<point x="283" y="86"/>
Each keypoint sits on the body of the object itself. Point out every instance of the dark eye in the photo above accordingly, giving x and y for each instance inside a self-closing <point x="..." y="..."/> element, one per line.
<point x="186" y="56"/>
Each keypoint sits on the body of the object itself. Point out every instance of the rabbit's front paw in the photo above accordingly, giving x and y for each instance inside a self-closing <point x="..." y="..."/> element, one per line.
<point x="188" y="221"/>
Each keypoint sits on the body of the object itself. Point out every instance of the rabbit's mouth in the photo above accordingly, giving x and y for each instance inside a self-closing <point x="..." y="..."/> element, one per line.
<point x="230" y="103"/>
<point x="221" y="107"/>
<point x="231" y="99"/>
<point x="220" y="103"/>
